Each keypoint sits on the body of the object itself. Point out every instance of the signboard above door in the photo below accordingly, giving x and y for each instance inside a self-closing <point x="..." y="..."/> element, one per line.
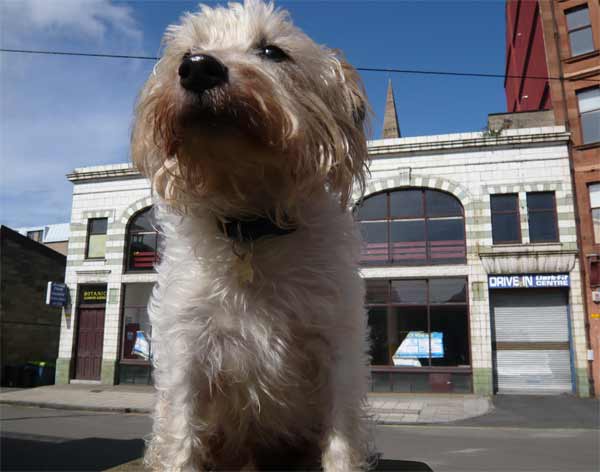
<point x="93" y="294"/>
<point x="529" y="281"/>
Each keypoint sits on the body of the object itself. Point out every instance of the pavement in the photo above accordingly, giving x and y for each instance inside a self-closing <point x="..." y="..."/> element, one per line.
<point x="528" y="411"/>
<point x="385" y="408"/>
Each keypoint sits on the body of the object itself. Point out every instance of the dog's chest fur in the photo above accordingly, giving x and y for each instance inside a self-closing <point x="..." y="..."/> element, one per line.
<point x="259" y="351"/>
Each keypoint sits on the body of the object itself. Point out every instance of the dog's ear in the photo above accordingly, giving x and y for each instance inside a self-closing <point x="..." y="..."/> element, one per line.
<point x="142" y="144"/>
<point x="355" y="94"/>
<point x="348" y="174"/>
<point x="151" y="134"/>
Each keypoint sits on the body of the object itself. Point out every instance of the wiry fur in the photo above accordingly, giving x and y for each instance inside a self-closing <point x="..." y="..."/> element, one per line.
<point x="248" y="371"/>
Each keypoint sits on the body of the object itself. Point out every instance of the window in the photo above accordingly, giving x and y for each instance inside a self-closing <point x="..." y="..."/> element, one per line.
<point x="506" y="223"/>
<point x="36" y="235"/>
<point x="418" y="322"/>
<point x="595" y="272"/>
<point x="589" y="112"/>
<point x="580" y="30"/>
<point x="137" y="330"/>
<point x="541" y="212"/>
<point x="412" y="227"/>
<point x="594" y="190"/>
<point x="143" y="240"/>
<point x="96" y="243"/>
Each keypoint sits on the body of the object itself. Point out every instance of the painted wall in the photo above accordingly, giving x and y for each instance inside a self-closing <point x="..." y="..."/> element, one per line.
<point x="525" y="56"/>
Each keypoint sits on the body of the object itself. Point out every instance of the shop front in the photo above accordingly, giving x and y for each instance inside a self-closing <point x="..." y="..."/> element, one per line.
<point x="531" y="336"/>
<point x="136" y="335"/>
<point x="419" y="331"/>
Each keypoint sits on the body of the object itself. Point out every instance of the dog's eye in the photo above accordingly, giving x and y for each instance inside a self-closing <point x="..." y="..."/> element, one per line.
<point x="273" y="53"/>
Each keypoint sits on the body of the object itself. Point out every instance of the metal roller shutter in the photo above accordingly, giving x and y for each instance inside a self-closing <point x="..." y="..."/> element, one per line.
<point x="531" y="335"/>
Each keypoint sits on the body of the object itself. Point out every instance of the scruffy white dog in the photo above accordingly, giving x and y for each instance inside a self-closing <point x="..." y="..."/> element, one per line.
<point x="253" y="137"/>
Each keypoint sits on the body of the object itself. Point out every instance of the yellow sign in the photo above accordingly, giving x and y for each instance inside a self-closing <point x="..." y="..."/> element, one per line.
<point x="595" y="315"/>
<point x="96" y="295"/>
<point x="93" y="294"/>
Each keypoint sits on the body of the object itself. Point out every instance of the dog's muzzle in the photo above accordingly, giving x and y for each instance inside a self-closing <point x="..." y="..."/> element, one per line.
<point x="200" y="72"/>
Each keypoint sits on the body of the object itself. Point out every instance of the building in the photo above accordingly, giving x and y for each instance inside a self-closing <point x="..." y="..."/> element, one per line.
<point x="112" y="250"/>
<point x="527" y="85"/>
<point x="53" y="236"/>
<point x="469" y="237"/>
<point x="485" y="222"/>
<point x="560" y="40"/>
<point x="29" y="329"/>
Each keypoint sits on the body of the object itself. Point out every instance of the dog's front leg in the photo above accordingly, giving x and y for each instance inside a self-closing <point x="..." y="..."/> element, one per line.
<point x="344" y="449"/>
<point x="176" y="443"/>
<point x="345" y="445"/>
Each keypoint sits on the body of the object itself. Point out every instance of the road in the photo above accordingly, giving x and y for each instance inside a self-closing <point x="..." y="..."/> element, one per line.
<point x="461" y="449"/>
<point x="42" y="439"/>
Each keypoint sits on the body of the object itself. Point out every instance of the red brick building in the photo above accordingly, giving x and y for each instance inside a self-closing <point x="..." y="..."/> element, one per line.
<point x="553" y="62"/>
<point x="525" y="59"/>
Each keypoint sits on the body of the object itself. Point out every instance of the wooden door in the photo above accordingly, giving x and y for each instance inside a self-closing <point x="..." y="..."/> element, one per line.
<point x="90" y="336"/>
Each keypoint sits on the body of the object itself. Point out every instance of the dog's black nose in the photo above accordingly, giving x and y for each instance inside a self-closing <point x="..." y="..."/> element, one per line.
<point x="200" y="72"/>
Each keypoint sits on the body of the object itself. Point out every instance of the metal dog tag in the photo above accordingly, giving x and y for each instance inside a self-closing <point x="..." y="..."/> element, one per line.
<point x="243" y="268"/>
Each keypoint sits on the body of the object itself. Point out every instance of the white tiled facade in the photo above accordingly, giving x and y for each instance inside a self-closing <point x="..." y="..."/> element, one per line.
<point x="470" y="166"/>
<point x="116" y="192"/>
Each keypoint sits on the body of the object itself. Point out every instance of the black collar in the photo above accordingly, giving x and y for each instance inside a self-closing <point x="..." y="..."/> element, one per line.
<point x="251" y="230"/>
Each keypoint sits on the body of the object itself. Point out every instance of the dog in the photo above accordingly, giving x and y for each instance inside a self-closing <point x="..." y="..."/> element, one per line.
<point x="254" y="138"/>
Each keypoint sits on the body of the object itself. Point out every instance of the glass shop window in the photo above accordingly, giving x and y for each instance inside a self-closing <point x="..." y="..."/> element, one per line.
<point x="418" y="322"/>
<point x="137" y="331"/>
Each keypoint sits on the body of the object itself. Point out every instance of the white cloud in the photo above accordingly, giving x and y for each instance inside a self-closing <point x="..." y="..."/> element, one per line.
<point x="68" y="18"/>
<point x="58" y="113"/>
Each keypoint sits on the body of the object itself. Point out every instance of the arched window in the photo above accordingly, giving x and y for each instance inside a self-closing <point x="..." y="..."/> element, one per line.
<point x="412" y="227"/>
<point x="142" y="242"/>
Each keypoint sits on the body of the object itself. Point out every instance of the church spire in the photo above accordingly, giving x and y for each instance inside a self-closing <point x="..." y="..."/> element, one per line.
<point x="391" y="128"/>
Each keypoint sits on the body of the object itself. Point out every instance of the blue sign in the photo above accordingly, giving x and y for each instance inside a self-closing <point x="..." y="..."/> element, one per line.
<point x="529" y="281"/>
<point x="416" y="344"/>
<point x="56" y="294"/>
<point x="142" y="345"/>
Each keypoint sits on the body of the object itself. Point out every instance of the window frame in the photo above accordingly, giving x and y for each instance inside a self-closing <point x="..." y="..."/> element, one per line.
<point x="554" y="212"/>
<point x="121" y="358"/>
<point x="594" y="272"/>
<point x="388" y="219"/>
<point x="39" y="233"/>
<point x="507" y="212"/>
<point x="129" y="239"/>
<point x="389" y="305"/>
<point x="592" y="208"/>
<point x="87" y="240"/>
<point x="579" y="28"/>
<point x="580" y="115"/>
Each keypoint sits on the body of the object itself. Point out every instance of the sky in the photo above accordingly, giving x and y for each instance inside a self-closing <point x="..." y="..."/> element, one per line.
<point x="58" y="113"/>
